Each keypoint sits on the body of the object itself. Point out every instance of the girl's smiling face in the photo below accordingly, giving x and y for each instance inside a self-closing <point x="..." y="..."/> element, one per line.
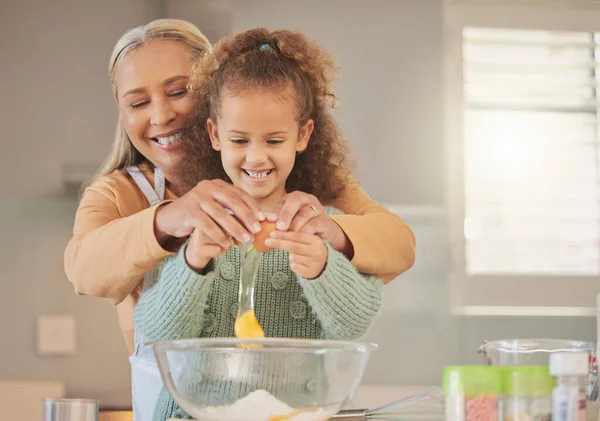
<point x="258" y="135"/>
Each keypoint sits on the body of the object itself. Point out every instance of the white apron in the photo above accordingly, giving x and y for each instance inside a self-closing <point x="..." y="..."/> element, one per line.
<point x="146" y="382"/>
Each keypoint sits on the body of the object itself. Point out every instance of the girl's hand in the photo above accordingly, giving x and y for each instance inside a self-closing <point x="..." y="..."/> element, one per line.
<point x="204" y="209"/>
<point x="308" y="253"/>
<point x="302" y="212"/>
<point x="200" y="250"/>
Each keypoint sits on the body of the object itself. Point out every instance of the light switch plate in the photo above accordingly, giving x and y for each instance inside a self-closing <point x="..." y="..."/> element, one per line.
<point x="56" y="335"/>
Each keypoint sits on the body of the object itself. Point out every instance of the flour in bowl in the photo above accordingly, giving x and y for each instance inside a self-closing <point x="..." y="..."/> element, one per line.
<point x="262" y="406"/>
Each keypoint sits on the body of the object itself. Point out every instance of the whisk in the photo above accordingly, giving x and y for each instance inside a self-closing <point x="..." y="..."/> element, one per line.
<point x="427" y="406"/>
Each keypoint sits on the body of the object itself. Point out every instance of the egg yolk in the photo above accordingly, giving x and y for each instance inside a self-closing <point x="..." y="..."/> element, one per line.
<point x="247" y="326"/>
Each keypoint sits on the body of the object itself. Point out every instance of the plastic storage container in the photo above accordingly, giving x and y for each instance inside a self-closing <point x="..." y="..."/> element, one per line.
<point x="472" y="393"/>
<point x="569" y="396"/>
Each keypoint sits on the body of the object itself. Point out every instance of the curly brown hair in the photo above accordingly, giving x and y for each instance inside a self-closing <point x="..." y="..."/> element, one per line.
<point x="269" y="61"/>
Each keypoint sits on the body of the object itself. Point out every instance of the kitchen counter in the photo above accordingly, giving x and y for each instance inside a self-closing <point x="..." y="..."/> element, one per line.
<point x="115" y="416"/>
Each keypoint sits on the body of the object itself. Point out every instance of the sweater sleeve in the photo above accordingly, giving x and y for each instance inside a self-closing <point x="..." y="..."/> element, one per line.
<point x="345" y="301"/>
<point x="108" y="253"/>
<point x="384" y="245"/>
<point x="173" y="308"/>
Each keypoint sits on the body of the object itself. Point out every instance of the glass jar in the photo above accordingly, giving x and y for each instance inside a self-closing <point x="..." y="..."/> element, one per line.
<point x="527" y="393"/>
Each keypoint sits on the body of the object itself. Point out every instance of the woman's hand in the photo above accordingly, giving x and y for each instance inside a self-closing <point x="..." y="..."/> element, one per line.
<point x="302" y="212"/>
<point x="308" y="253"/>
<point x="205" y="209"/>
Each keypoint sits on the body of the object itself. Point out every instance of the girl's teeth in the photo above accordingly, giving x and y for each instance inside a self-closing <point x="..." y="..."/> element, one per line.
<point x="254" y="174"/>
<point x="169" y="139"/>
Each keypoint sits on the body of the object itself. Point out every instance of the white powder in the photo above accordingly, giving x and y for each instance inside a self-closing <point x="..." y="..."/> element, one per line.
<point x="259" y="406"/>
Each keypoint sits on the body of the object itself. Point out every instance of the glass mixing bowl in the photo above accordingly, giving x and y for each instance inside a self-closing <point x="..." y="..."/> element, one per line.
<point x="261" y="379"/>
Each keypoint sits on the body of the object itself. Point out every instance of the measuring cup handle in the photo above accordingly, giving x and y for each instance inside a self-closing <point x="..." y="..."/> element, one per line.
<point x="483" y="350"/>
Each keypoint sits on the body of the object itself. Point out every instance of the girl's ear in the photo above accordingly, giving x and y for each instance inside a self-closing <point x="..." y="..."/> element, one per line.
<point x="304" y="136"/>
<point x="214" y="134"/>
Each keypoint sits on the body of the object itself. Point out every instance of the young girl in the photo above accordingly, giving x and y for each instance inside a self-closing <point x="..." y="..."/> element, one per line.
<point x="263" y="124"/>
<point x="136" y="212"/>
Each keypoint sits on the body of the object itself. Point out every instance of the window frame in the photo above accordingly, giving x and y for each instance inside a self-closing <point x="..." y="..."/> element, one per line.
<point x="502" y="294"/>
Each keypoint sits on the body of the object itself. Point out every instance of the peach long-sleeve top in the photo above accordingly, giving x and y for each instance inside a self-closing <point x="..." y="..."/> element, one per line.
<point x="114" y="244"/>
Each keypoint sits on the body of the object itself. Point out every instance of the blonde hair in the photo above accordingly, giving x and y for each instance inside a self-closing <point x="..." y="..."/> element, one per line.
<point x="123" y="154"/>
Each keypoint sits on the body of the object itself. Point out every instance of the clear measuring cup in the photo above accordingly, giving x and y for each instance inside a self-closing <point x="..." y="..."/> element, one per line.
<point x="530" y="352"/>
<point x="69" y="409"/>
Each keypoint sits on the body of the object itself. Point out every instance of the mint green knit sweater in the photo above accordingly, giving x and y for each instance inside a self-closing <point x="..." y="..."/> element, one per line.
<point x="339" y="304"/>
